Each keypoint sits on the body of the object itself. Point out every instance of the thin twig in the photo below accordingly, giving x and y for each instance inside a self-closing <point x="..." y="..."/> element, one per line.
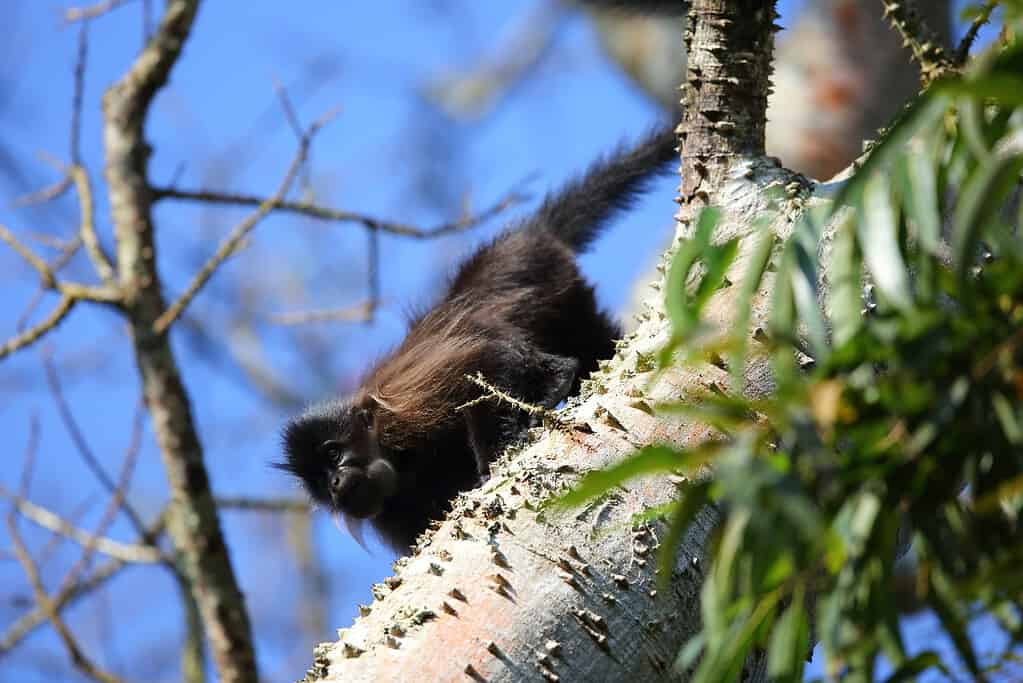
<point x="104" y="294"/>
<point x="41" y="597"/>
<point x="31" y="448"/>
<point x="359" y="313"/>
<point x="373" y="268"/>
<point x="312" y="210"/>
<point x="73" y="14"/>
<point x="962" y="52"/>
<point x="147" y="21"/>
<point x="77" y="94"/>
<point x="46" y="194"/>
<point x="262" y="504"/>
<point x="87" y="229"/>
<point x="82" y="445"/>
<point x="27" y="623"/>
<point x="118" y="500"/>
<point x="228" y="246"/>
<point x="126" y="552"/>
<point x="56" y="266"/>
<point x="55" y="540"/>
<point x="32" y="334"/>
<point x="78" y="657"/>
<point x="41" y="267"/>
<point x="289" y="111"/>
<point x="495" y="393"/>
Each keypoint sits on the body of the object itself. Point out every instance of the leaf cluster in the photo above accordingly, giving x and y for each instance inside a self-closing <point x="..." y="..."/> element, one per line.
<point x="905" y="430"/>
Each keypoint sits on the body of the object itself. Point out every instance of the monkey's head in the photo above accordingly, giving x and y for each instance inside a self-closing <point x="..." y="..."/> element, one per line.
<point x="333" y="448"/>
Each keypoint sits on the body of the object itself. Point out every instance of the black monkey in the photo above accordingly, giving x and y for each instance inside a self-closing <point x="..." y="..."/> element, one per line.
<point x="518" y="311"/>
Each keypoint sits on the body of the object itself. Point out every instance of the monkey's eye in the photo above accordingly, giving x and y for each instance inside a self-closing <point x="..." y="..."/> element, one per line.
<point x="332" y="449"/>
<point x="366" y="416"/>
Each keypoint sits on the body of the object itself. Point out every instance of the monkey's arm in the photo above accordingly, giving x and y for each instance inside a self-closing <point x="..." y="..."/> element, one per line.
<point x="536" y="377"/>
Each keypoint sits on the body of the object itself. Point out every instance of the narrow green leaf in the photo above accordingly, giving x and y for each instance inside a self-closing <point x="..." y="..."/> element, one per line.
<point x="783" y="320"/>
<point x="757" y="266"/>
<point x="804" y="292"/>
<point x="1009" y="418"/>
<point x="944" y="604"/>
<point x="845" y="275"/>
<point x="981" y="197"/>
<point x="694" y="498"/>
<point x="677" y="297"/>
<point x="648" y="460"/>
<point x="879" y="240"/>
<point x="922" y="113"/>
<point x="716" y="259"/>
<point x="915" y="666"/>
<point x="790" y="642"/>
<point x="922" y="202"/>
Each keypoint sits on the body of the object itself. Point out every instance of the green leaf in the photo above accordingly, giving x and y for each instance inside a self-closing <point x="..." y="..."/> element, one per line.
<point x="917" y="665"/>
<point x="920" y="193"/>
<point x="1009" y="418"/>
<point x="758" y="260"/>
<point x="677" y="298"/>
<point x="648" y="460"/>
<point x="790" y="642"/>
<point x="981" y="197"/>
<point x="694" y="498"/>
<point x="879" y="240"/>
<point x="804" y="291"/>
<point x="945" y="606"/>
<point x="924" y="112"/>
<point x="845" y="274"/>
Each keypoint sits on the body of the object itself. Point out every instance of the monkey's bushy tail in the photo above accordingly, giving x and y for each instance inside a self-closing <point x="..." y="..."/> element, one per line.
<point x="674" y="8"/>
<point x="577" y="214"/>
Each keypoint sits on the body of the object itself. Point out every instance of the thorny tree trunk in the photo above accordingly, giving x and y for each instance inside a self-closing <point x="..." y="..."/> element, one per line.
<point x="506" y="591"/>
<point x="201" y="555"/>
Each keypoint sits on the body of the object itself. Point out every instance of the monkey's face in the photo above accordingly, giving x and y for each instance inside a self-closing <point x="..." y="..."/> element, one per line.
<point x="333" y="449"/>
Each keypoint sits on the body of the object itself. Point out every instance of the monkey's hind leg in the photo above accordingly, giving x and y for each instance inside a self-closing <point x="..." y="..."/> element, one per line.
<point x="490" y="429"/>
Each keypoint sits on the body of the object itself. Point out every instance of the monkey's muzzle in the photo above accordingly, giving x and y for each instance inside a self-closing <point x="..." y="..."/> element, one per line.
<point x="360" y="490"/>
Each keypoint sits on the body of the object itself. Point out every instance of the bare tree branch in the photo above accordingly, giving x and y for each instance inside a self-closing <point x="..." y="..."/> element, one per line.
<point x="73" y="14"/>
<point x="106" y="295"/>
<point x="362" y="312"/>
<point x="230" y="244"/>
<point x="56" y="266"/>
<point x="87" y="229"/>
<point x="327" y="214"/>
<point x="78" y="658"/>
<point x="27" y="623"/>
<point x="126" y="552"/>
<point x="33" y="334"/>
<point x="262" y="504"/>
<point x="82" y="445"/>
<point x="77" y="94"/>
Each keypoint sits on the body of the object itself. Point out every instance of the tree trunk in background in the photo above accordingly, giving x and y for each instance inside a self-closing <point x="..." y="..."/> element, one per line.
<point x="840" y="74"/>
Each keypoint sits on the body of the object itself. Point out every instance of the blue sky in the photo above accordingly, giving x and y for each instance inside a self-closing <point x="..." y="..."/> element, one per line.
<point x="219" y="125"/>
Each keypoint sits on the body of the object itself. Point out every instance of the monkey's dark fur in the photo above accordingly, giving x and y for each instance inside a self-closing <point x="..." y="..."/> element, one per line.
<point x="518" y="311"/>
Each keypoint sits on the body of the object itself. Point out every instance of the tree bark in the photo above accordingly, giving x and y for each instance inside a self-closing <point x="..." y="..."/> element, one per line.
<point x="508" y="590"/>
<point x="201" y="556"/>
